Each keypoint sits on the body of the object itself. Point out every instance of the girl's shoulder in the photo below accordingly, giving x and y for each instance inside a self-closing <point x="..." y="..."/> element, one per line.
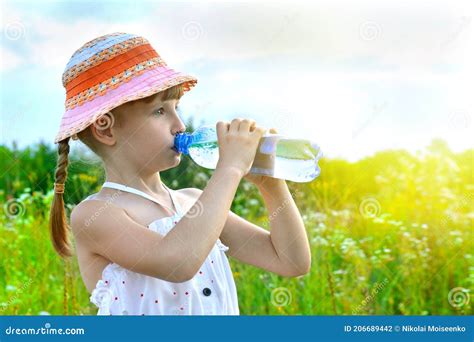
<point x="140" y="209"/>
<point x="103" y="195"/>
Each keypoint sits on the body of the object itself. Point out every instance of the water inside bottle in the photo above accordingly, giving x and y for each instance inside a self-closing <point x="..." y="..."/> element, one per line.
<point x="291" y="159"/>
<point x="205" y="154"/>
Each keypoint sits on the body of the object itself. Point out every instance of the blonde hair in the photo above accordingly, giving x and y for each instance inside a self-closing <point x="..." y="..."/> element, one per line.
<point x="58" y="224"/>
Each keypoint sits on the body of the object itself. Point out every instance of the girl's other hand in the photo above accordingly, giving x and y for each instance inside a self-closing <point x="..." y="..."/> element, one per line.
<point x="261" y="180"/>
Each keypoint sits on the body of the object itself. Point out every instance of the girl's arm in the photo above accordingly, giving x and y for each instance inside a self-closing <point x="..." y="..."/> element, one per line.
<point x="284" y="249"/>
<point x="288" y="233"/>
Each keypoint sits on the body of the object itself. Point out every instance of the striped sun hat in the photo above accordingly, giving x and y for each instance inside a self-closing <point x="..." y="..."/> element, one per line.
<point x="109" y="71"/>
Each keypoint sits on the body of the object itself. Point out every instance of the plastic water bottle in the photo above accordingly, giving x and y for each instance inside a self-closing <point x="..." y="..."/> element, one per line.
<point x="277" y="156"/>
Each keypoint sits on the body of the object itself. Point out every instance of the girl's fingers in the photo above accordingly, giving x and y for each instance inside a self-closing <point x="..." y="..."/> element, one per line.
<point x="246" y="124"/>
<point x="234" y="125"/>
<point x="252" y="126"/>
<point x="221" y="128"/>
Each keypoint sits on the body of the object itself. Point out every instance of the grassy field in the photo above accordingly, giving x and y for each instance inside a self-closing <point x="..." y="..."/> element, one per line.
<point x="390" y="234"/>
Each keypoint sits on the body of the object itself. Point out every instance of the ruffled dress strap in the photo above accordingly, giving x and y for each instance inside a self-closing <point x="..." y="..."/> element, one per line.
<point x="176" y="204"/>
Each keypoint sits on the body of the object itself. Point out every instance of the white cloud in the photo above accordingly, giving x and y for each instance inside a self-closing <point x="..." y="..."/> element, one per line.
<point x="9" y="60"/>
<point x="408" y="36"/>
<point x="316" y="59"/>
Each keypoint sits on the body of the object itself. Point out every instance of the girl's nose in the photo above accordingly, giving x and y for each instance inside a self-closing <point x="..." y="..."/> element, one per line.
<point x="180" y="128"/>
<point x="179" y="131"/>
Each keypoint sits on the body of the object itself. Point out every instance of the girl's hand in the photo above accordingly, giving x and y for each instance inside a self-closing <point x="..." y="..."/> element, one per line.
<point x="262" y="180"/>
<point x="238" y="142"/>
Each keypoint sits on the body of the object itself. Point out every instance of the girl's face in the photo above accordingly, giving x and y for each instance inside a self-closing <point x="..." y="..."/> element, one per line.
<point x="145" y="132"/>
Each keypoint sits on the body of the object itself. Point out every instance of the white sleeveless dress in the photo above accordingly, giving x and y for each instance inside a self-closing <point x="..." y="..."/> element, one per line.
<point x="211" y="291"/>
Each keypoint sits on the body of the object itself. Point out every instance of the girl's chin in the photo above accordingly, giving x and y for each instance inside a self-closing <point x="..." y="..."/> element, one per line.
<point x="177" y="155"/>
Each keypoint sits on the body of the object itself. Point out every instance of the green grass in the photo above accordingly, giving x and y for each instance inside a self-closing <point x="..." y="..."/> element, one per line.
<point x="390" y="234"/>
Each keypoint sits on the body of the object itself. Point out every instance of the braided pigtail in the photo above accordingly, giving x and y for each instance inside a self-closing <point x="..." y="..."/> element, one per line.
<point x="59" y="228"/>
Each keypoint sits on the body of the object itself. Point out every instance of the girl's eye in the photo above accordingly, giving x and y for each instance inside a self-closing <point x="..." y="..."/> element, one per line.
<point x="159" y="111"/>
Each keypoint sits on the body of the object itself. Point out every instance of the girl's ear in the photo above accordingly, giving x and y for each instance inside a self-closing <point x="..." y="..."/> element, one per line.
<point x="102" y="129"/>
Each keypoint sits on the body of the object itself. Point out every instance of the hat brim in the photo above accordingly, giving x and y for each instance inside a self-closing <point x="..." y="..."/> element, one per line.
<point x="150" y="82"/>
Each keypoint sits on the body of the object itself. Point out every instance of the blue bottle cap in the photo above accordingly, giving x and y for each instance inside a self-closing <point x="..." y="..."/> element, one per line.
<point x="182" y="142"/>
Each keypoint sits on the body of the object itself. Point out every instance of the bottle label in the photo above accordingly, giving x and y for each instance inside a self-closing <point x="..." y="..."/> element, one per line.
<point x="264" y="161"/>
<point x="268" y="143"/>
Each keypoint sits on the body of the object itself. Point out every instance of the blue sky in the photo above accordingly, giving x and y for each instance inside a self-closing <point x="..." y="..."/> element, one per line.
<point x="355" y="78"/>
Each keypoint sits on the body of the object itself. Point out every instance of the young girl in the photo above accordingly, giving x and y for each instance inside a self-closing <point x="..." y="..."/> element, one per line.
<point x="144" y="249"/>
